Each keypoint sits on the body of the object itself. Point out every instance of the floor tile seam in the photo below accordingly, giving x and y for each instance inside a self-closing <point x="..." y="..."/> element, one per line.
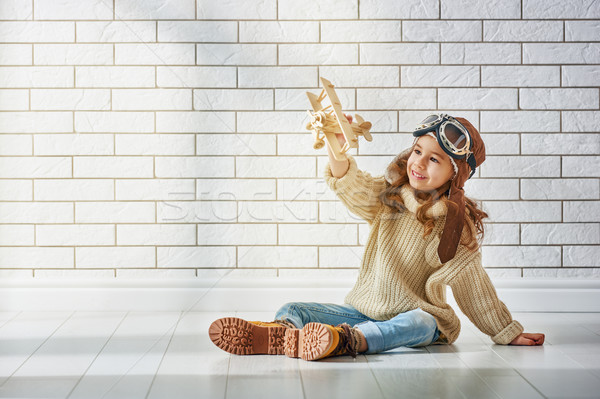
<point x="98" y="354"/>
<point x="301" y="382"/>
<point x="442" y="368"/>
<point x="227" y="376"/>
<point x="38" y="348"/>
<point x="374" y="376"/>
<point x="162" y="336"/>
<point x="163" y="355"/>
<point x="584" y="368"/>
<point x="530" y="383"/>
<point x="17" y="314"/>
<point x="516" y="370"/>
<point x="508" y="366"/>
<point x="590" y="329"/>
<point x="482" y="380"/>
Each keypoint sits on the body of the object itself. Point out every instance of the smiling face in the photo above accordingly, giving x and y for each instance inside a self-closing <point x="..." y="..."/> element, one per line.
<point x="428" y="166"/>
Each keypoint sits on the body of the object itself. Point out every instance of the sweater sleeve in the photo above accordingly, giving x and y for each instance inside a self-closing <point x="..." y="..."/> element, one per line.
<point x="477" y="299"/>
<point x="357" y="190"/>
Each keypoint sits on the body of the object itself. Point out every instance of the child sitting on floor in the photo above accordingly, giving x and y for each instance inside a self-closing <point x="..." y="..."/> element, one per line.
<point x="425" y="235"/>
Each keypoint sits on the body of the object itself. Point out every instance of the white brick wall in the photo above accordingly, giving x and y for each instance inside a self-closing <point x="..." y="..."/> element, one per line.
<point x="165" y="138"/>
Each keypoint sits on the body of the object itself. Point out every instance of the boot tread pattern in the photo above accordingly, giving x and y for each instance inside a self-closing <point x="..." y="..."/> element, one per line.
<point x="276" y="340"/>
<point x="314" y="342"/>
<point x="291" y="342"/>
<point x="241" y="337"/>
<point x="233" y="335"/>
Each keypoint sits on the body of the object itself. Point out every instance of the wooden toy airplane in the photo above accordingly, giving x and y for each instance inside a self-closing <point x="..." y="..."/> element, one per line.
<point x="325" y="124"/>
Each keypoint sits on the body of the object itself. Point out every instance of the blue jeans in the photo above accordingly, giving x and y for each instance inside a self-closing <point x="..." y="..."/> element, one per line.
<point x="412" y="328"/>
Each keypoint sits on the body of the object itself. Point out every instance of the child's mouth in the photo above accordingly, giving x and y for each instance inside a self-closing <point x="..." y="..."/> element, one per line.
<point x="417" y="175"/>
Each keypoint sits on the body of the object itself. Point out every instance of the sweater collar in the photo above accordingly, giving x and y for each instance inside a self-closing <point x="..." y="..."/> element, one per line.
<point x="412" y="204"/>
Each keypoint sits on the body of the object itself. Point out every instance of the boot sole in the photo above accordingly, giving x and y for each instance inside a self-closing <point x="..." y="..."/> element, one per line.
<point x="309" y="343"/>
<point x="241" y="337"/>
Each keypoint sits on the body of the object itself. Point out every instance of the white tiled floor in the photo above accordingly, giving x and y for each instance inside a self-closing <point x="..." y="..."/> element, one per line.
<point x="169" y="355"/>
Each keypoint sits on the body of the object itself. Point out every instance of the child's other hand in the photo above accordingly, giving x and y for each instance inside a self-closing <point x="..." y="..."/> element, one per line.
<point x="528" y="339"/>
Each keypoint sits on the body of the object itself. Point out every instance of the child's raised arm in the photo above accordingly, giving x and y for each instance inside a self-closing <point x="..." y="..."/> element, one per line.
<point x="338" y="168"/>
<point x="357" y="190"/>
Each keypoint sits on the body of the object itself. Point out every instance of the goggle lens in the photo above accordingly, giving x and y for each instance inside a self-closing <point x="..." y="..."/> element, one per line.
<point x="430" y="119"/>
<point x="455" y="136"/>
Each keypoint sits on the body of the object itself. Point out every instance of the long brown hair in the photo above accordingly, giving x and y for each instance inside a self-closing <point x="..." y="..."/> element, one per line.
<point x="391" y="197"/>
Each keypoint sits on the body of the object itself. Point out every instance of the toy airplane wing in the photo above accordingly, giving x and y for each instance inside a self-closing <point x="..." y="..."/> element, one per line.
<point x="318" y="120"/>
<point x="336" y="148"/>
<point x="351" y="140"/>
<point x="314" y="101"/>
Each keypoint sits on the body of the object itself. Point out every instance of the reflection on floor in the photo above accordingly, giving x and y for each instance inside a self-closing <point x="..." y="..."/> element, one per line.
<point x="156" y="355"/>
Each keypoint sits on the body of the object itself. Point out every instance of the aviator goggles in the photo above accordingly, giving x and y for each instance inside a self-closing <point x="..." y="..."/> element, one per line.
<point x="451" y="135"/>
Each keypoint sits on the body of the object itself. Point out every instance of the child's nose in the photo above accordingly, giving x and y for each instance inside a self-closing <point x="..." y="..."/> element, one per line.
<point x="419" y="163"/>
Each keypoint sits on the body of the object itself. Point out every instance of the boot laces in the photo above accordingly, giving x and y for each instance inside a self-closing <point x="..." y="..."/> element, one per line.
<point x="347" y="342"/>
<point x="285" y="323"/>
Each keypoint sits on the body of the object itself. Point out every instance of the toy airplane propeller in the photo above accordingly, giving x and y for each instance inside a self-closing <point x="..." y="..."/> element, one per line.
<point x="325" y="123"/>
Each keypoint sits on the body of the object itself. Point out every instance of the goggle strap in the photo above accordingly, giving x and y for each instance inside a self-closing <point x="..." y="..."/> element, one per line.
<point x="472" y="164"/>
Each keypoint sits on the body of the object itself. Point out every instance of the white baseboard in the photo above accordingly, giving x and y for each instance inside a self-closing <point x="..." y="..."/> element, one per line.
<point x="260" y="295"/>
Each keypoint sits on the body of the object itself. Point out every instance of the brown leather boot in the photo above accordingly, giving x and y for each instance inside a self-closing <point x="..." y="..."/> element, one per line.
<point x="317" y="341"/>
<point x="242" y="337"/>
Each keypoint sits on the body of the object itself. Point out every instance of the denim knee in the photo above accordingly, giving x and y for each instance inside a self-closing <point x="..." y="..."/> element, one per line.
<point x="411" y="329"/>
<point x="290" y="312"/>
<point x="425" y="318"/>
<point x="428" y="320"/>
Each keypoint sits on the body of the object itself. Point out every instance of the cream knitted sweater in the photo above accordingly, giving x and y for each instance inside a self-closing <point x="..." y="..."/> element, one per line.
<point x="401" y="270"/>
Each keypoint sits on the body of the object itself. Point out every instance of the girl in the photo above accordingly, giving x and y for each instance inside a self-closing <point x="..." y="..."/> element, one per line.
<point x="425" y="235"/>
